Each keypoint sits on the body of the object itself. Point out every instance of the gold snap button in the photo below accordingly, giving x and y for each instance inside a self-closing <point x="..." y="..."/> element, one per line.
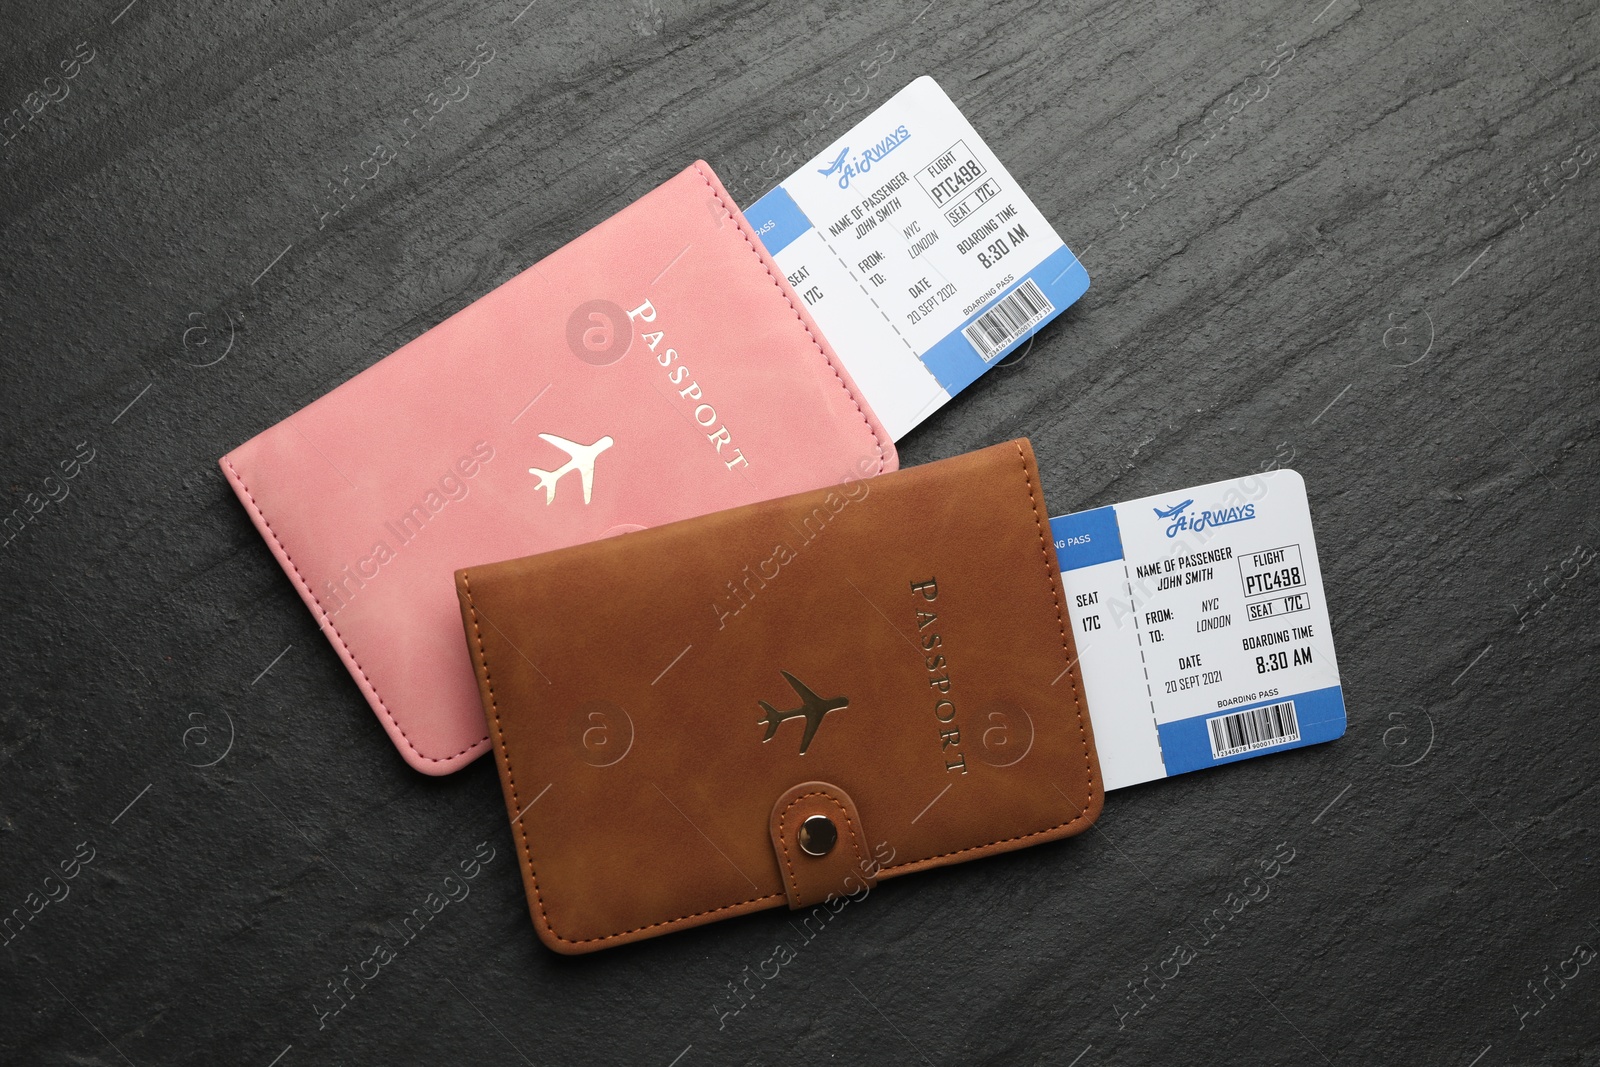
<point x="818" y="835"/>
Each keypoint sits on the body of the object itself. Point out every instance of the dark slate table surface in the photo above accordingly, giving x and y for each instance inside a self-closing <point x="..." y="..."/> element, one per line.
<point x="1378" y="267"/>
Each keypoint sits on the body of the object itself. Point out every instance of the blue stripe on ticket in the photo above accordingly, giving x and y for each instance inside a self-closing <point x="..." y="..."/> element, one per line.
<point x="956" y="363"/>
<point x="1187" y="745"/>
<point x="1087" y="538"/>
<point x="777" y="220"/>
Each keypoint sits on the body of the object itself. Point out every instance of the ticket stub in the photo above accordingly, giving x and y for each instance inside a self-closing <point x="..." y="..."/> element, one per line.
<point x="917" y="253"/>
<point x="1201" y="626"/>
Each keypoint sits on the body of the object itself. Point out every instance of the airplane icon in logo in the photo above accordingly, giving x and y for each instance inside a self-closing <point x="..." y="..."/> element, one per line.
<point x="1172" y="511"/>
<point x="811" y="706"/>
<point x="833" y="167"/>
<point x="582" y="461"/>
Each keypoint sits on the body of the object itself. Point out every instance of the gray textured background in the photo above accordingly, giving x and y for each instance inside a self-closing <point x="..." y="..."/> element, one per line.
<point x="1382" y="273"/>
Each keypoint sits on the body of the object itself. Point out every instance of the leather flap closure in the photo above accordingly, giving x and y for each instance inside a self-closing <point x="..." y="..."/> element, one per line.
<point x="820" y="844"/>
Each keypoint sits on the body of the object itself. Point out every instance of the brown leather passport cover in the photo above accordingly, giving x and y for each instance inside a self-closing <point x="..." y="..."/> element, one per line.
<point x="670" y="707"/>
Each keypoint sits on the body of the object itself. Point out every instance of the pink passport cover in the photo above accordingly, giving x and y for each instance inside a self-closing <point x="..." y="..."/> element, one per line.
<point x="666" y="330"/>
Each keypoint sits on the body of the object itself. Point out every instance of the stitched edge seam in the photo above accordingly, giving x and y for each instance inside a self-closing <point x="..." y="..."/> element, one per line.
<point x="1050" y="580"/>
<point x="783" y="834"/>
<point x="755" y="251"/>
<point x="327" y="621"/>
<point x="527" y="853"/>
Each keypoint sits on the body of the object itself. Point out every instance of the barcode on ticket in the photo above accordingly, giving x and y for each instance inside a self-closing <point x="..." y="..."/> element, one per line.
<point x="1008" y="320"/>
<point x="1253" y="729"/>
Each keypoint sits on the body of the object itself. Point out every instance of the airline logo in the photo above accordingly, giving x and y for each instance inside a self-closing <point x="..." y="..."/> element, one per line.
<point x="1200" y="520"/>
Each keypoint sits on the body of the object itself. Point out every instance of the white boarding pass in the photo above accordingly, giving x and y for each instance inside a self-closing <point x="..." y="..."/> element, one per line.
<point x="1201" y="626"/>
<point x="917" y="253"/>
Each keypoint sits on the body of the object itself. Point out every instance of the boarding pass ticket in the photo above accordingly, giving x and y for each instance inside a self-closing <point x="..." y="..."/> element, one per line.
<point x="917" y="253"/>
<point x="1201" y="626"/>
